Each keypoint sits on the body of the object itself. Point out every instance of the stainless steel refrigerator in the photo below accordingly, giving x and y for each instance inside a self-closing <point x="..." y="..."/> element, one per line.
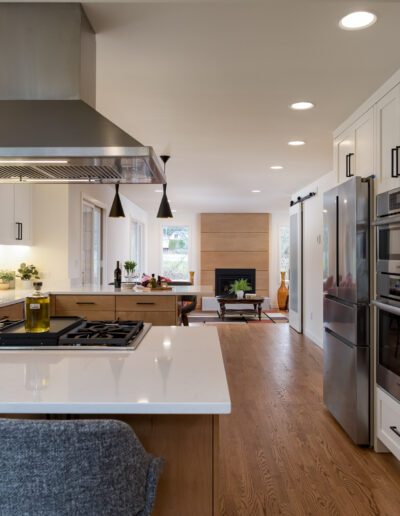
<point x="346" y="285"/>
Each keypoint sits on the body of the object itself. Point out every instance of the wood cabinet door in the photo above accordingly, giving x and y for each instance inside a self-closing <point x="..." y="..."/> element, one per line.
<point x="388" y="138"/>
<point x="14" y="312"/>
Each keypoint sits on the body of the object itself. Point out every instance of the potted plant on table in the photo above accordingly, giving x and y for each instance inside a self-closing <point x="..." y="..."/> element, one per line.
<point x="239" y="287"/>
<point x="26" y="273"/>
<point x="6" y="277"/>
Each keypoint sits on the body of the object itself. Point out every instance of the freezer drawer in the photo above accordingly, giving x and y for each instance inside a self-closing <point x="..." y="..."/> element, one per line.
<point x="347" y="320"/>
<point x="346" y="386"/>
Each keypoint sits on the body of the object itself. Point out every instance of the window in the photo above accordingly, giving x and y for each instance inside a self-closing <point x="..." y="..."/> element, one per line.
<point x="284" y="244"/>
<point x="92" y="244"/>
<point x="137" y="245"/>
<point x="175" y="252"/>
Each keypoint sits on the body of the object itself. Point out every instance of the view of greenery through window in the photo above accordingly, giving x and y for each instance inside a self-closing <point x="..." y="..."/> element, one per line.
<point x="175" y="252"/>
<point x="284" y="243"/>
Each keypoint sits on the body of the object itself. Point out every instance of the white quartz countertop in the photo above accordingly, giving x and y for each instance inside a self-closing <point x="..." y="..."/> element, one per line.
<point x="8" y="297"/>
<point x="175" y="370"/>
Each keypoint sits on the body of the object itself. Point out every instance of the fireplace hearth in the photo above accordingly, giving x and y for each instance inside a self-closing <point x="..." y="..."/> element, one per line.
<point x="225" y="277"/>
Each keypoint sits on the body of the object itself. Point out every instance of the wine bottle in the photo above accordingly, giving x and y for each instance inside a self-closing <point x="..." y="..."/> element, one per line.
<point x="117" y="276"/>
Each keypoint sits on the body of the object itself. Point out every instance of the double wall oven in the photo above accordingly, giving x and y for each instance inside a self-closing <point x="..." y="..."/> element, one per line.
<point x="388" y="292"/>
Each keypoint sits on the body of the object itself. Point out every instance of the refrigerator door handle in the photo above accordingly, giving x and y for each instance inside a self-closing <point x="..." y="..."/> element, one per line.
<point x="339" y="337"/>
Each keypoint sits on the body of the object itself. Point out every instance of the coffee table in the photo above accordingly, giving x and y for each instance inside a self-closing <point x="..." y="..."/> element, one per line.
<point x="255" y="302"/>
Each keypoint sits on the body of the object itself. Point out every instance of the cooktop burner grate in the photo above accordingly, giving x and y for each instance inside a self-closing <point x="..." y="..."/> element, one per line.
<point x="102" y="333"/>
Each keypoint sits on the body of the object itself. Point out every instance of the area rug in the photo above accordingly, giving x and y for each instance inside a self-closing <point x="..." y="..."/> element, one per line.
<point x="196" y="318"/>
<point x="277" y="317"/>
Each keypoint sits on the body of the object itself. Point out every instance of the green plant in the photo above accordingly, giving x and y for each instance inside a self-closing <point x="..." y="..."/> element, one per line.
<point x="27" y="272"/>
<point x="239" y="284"/>
<point x="130" y="266"/>
<point x="6" y="276"/>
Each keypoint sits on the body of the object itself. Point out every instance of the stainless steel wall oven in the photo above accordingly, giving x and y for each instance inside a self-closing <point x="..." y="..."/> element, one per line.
<point x="388" y="292"/>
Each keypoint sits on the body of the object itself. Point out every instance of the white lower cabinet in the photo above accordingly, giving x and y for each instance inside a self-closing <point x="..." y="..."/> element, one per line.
<point x="388" y="421"/>
<point x="15" y="214"/>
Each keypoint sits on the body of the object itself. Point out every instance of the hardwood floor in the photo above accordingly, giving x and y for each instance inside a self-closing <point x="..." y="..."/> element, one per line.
<point x="280" y="450"/>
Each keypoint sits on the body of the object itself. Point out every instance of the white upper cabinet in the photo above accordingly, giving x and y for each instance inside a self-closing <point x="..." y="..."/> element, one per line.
<point x="15" y="214"/>
<point x="388" y="139"/>
<point x="353" y="149"/>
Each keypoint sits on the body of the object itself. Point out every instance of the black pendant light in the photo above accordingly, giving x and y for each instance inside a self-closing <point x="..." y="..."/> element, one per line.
<point x="116" y="208"/>
<point x="164" y="211"/>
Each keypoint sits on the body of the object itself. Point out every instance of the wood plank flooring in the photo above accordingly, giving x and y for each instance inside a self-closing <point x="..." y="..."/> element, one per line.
<point x="280" y="450"/>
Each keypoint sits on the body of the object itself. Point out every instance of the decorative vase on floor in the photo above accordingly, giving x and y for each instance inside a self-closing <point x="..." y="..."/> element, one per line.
<point x="283" y="293"/>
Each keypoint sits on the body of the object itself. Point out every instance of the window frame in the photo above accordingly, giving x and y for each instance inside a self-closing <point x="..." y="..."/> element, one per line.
<point x="85" y="199"/>
<point x="189" y="254"/>
<point x="142" y="226"/>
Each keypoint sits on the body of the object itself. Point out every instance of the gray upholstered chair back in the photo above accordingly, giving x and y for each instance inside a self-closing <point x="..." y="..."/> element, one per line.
<point x="81" y="467"/>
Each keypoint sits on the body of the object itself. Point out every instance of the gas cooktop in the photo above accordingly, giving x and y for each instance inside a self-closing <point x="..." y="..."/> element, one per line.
<point x="74" y="333"/>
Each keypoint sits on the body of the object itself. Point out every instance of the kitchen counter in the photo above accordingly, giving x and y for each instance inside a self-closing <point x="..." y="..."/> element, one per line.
<point x="175" y="370"/>
<point x="8" y="297"/>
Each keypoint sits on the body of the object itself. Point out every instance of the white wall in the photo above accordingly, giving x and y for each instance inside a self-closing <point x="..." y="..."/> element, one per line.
<point x="277" y="219"/>
<point x="50" y="236"/>
<point x="312" y="256"/>
<point x="116" y="231"/>
<point x="154" y="240"/>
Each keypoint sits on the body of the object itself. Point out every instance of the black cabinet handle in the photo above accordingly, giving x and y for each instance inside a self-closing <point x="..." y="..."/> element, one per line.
<point x="350" y="155"/>
<point x="347" y="165"/>
<point x="85" y="303"/>
<point x="19" y="231"/>
<point x="393" y="171"/>
<point x="397" y="162"/>
<point x="394" y="429"/>
<point x="145" y="303"/>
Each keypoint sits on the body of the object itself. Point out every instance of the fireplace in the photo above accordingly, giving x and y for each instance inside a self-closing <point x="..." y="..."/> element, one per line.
<point x="225" y="277"/>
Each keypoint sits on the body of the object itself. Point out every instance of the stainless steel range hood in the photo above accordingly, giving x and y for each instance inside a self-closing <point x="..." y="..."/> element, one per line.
<point x="49" y="129"/>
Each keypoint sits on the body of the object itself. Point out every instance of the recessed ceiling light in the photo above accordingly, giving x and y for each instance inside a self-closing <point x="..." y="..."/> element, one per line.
<point x="301" y="106"/>
<point x="357" y="20"/>
<point x="255" y="191"/>
<point x="276" y="167"/>
<point x="296" y="143"/>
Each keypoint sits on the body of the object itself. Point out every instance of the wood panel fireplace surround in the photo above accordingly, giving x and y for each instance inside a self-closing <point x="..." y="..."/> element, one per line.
<point x="235" y="241"/>
<point x="225" y="277"/>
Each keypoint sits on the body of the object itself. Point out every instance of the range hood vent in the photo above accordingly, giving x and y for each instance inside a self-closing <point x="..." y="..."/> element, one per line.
<point x="50" y="131"/>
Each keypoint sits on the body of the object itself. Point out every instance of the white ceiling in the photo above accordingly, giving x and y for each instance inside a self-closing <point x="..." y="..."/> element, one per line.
<point x="210" y="84"/>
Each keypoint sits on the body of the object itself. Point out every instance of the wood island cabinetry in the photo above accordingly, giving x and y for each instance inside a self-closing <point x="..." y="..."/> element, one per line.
<point x="158" y="310"/>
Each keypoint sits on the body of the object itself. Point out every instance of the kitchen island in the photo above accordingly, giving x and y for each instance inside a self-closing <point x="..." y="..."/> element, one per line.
<point x="160" y="308"/>
<point x="171" y="390"/>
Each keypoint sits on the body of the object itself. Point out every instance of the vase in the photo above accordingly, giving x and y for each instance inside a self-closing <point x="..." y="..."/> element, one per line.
<point x="26" y="284"/>
<point x="283" y="293"/>
<point x="239" y="294"/>
<point x="191" y="276"/>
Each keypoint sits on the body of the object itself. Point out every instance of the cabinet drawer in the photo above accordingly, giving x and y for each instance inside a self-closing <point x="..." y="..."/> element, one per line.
<point x="389" y="422"/>
<point x="155" y="318"/>
<point x="90" y="315"/>
<point x="145" y="303"/>
<point x="77" y="304"/>
<point x="14" y="312"/>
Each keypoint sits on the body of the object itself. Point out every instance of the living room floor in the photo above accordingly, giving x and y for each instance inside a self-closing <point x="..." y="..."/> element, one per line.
<point x="281" y="452"/>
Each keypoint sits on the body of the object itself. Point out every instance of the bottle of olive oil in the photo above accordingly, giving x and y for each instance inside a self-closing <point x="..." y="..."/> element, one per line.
<point x="37" y="310"/>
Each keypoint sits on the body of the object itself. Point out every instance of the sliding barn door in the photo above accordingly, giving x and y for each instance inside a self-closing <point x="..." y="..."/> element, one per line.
<point x="296" y="268"/>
